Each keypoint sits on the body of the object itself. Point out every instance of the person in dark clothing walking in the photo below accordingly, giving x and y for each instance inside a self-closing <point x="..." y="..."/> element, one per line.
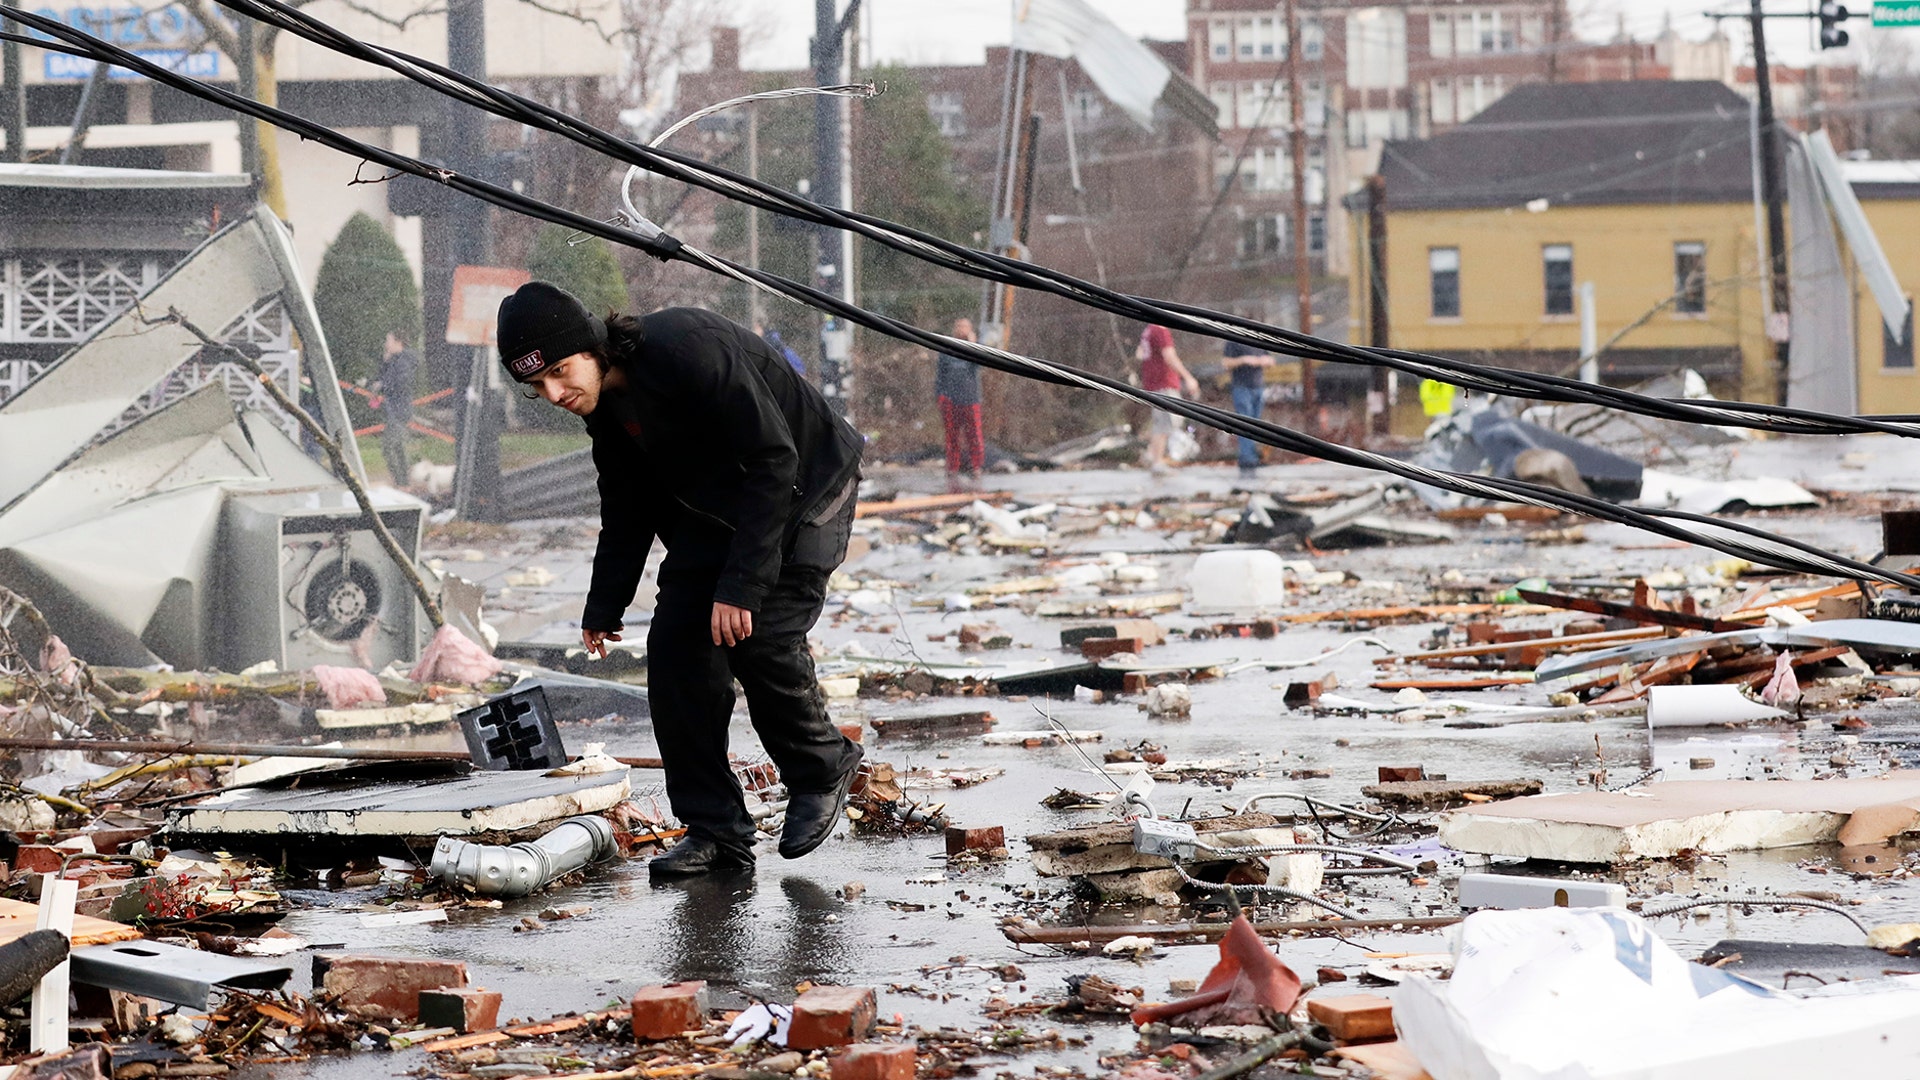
<point x="957" y="384"/>
<point x="705" y="439"/>
<point x="399" y="377"/>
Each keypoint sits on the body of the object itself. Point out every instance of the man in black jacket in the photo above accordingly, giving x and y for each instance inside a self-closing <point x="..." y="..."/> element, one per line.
<point x="706" y="439"/>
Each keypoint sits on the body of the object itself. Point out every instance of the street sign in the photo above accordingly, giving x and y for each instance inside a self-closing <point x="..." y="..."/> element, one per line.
<point x="477" y="292"/>
<point x="1896" y="12"/>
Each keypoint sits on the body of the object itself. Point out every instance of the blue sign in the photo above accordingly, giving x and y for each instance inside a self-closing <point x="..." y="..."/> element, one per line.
<point x="199" y="65"/>
<point x="166" y="36"/>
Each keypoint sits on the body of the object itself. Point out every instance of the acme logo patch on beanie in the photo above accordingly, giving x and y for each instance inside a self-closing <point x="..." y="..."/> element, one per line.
<point x="542" y="324"/>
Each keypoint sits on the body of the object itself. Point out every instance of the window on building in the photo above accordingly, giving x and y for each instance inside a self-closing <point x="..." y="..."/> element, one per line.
<point x="948" y="111"/>
<point x="1221" y="94"/>
<point x="1267" y="35"/>
<point x="1313" y="39"/>
<point x="1088" y="106"/>
<point x="1690" y="277"/>
<point x="1317" y="233"/>
<point x="1898" y="354"/>
<point x="1443" y="270"/>
<point x="1244" y="38"/>
<point x="1489" y="27"/>
<point x="1440" y="36"/>
<point x="1440" y="101"/>
<point x="1315" y="106"/>
<point x="1532" y="31"/>
<point x="1263" y="237"/>
<point x="1220" y="39"/>
<point x="1558" y="262"/>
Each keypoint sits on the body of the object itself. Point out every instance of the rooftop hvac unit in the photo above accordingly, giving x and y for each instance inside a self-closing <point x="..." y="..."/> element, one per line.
<point x="307" y="582"/>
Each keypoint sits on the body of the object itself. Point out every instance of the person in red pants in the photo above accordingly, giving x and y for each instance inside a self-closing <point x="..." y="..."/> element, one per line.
<point x="957" y="383"/>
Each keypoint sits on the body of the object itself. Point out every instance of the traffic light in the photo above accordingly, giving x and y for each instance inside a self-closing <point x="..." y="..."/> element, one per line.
<point x="1831" y="16"/>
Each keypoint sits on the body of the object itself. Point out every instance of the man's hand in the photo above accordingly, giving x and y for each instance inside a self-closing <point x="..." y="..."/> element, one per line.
<point x="1192" y="384"/>
<point x="731" y="625"/>
<point x="596" y="641"/>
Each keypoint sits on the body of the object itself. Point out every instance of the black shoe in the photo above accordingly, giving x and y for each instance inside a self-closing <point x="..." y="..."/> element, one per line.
<point x="812" y="815"/>
<point x="695" y="855"/>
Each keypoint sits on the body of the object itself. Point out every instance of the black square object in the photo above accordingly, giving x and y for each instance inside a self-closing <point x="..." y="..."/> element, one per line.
<point x="514" y="731"/>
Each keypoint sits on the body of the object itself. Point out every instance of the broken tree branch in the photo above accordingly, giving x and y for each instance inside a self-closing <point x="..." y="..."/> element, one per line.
<point x="334" y="454"/>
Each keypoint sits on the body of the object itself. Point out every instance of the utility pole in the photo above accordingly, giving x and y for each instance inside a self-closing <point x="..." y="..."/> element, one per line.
<point x="13" y="110"/>
<point x="832" y="185"/>
<point x="247" y="73"/>
<point x="1778" y="312"/>
<point x="483" y="408"/>
<point x="1302" y="263"/>
<point x="1378" y="329"/>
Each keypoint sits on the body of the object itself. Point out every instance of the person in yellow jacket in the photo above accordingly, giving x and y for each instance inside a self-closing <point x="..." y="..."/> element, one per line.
<point x="1436" y="398"/>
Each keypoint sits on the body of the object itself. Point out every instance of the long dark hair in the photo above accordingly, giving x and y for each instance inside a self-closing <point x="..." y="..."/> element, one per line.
<point x="623" y="339"/>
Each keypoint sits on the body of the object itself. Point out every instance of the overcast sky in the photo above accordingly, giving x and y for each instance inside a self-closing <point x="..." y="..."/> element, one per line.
<point x="958" y="31"/>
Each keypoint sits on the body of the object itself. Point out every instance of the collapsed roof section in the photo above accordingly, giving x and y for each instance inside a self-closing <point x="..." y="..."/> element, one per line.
<point x="200" y="534"/>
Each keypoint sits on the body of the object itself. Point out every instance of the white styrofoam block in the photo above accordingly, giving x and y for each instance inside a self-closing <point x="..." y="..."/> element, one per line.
<point x="1508" y="892"/>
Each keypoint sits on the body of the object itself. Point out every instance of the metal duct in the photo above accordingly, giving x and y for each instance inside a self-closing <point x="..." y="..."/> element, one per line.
<point x="512" y="870"/>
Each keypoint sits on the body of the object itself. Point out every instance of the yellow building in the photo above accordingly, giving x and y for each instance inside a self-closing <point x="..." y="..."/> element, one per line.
<point x="1481" y="243"/>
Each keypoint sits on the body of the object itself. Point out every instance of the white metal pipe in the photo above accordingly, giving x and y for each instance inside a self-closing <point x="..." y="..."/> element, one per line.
<point x="512" y="870"/>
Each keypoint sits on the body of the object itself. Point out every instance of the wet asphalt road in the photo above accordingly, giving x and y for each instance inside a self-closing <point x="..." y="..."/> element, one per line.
<point x="758" y="935"/>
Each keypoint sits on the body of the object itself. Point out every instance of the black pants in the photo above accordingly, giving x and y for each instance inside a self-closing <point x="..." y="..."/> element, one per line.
<point x="690" y="680"/>
<point x="393" y="447"/>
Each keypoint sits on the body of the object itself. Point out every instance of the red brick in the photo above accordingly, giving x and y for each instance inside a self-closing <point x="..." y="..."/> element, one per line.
<point x="854" y="732"/>
<point x="1506" y="637"/>
<point x="388" y="987"/>
<point x="1099" y="648"/>
<point x="1481" y="633"/>
<point x="1579" y="627"/>
<point x="1133" y="682"/>
<point x="875" y="1061"/>
<point x="961" y="839"/>
<point x="40" y="858"/>
<point x="1354" y="1017"/>
<point x="461" y="1010"/>
<point x="665" y="1012"/>
<point x="831" y="1016"/>
<point x="1390" y="774"/>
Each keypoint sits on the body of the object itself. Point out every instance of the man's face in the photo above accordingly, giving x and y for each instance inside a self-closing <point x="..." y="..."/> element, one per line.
<point x="574" y="384"/>
<point x="963" y="329"/>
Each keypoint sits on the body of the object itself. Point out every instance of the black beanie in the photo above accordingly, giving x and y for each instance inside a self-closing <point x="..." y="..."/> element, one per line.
<point x="541" y="325"/>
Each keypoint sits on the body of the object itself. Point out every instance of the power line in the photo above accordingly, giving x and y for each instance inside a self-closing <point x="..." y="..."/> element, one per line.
<point x="1731" y="537"/>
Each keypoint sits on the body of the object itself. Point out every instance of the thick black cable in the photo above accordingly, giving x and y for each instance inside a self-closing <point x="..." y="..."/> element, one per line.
<point x="1771" y="549"/>
<point x="1485" y="378"/>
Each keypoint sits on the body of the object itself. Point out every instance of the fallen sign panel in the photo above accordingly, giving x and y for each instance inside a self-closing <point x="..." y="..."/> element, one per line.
<point x="1658" y="821"/>
<point x="479" y="802"/>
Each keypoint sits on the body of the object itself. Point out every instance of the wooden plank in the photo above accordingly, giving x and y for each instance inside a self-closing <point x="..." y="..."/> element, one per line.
<point x="1487" y="683"/>
<point x="49" y="1005"/>
<point x="914" y="504"/>
<point x="1423" y="611"/>
<point x="18" y="918"/>
<point x="1614" y="609"/>
<point x="1576" y="643"/>
<point x="1667" y="669"/>
<point x="1510" y="511"/>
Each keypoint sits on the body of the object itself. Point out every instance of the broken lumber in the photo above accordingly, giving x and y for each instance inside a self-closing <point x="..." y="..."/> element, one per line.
<point x="1617" y="610"/>
<point x="340" y="753"/>
<point x="1578" y="643"/>
<point x="1440" y="794"/>
<point x="913" y="504"/>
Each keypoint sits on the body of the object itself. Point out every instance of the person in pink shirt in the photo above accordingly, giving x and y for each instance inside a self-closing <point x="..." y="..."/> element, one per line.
<point x="1162" y="372"/>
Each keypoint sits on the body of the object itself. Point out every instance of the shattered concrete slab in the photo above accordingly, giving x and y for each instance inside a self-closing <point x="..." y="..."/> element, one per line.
<point x="1661" y="820"/>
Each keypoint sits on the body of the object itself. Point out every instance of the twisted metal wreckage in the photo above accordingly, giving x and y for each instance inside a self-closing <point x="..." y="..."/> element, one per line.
<point x="341" y="594"/>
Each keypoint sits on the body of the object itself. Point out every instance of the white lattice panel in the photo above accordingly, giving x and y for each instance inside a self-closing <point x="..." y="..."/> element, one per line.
<point x="61" y="298"/>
